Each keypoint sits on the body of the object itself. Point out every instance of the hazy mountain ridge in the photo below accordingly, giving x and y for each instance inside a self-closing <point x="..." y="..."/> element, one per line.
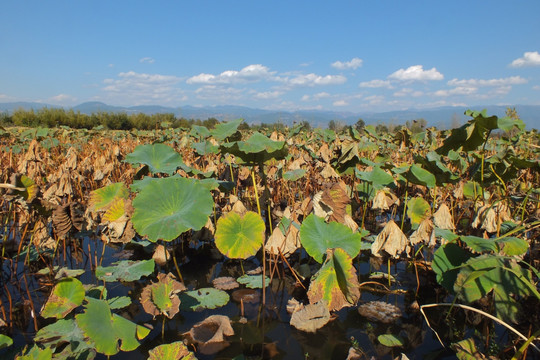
<point x="439" y="116"/>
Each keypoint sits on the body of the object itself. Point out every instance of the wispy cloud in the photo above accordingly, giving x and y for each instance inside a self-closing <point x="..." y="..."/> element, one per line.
<point x="266" y="95"/>
<point x="353" y="64"/>
<point x="219" y="93"/>
<point x="416" y="73"/>
<point x="376" y="84"/>
<point x="408" y="92"/>
<point x="142" y="88"/>
<point x="63" y="99"/>
<point x="531" y="58"/>
<point x="512" y="80"/>
<point x="314" y="79"/>
<point x="460" y="90"/>
<point x="340" y="103"/>
<point x="147" y="60"/>
<point x="250" y="73"/>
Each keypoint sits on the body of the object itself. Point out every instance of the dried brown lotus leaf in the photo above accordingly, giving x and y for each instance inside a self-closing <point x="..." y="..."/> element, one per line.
<point x="64" y="185"/>
<point x="246" y="296"/>
<point x="71" y="159"/>
<point x="296" y="164"/>
<point x="210" y="334"/>
<point x="380" y="311"/>
<point x="161" y="255"/>
<point x="328" y="172"/>
<point x="320" y="208"/>
<point x="350" y="223"/>
<point x="324" y="153"/>
<point x="384" y="199"/>
<point x="32" y="164"/>
<point x="166" y="282"/>
<point x="391" y="239"/>
<point x="311" y="318"/>
<point x="443" y="218"/>
<point x="335" y="196"/>
<point x="206" y="233"/>
<point x="294" y="305"/>
<point x="225" y="283"/>
<point x="239" y="208"/>
<point x="491" y="216"/>
<point x="41" y="237"/>
<point x="61" y="219"/>
<point x="98" y="175"/>
<point x="243" y="173"/>
<point x="458" y="191"/>
<point x="424" y="234"/>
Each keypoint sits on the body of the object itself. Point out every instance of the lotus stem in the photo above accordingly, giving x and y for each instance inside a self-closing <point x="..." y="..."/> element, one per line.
<point x="176" y="265"/>
<point x="497" y="320"/>
<point x="263" y="250"/>
<point x="256" y="192"/>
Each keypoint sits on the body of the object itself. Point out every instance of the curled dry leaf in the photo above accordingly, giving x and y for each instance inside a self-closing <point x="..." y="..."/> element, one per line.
<point x="312" y="317"/>
<point x="384" y="199"/>
<point x="239" y="208"/>
<point x="161" y="255"/>
<point x="225" y="283"/>
<point x="278" y="242"/>
<point x="65" y="218"/>
<point x="380" y="311"/>
<point x="206" y="233"/>
<point x="294" y="305"/>
<point x="491" y="217"/>
<point x="443" y="218"/>
<point x="328" y="172"/>
<point x="424" y="234"/>
<point x="41" y="238"/>
<point x="210" y="334"/>
<point x="392" y="240"/>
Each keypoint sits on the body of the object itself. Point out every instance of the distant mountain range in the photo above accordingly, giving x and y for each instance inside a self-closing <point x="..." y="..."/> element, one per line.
<point x="442" y="117"/>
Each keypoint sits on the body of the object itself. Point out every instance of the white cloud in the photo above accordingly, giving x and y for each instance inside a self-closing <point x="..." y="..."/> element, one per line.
<point x="138" y="88"/>
<point x="536" y="87"/>
<point x="250" y="73"/>
<point x="340" y="103"/>
<point x="316" y="97"/>
<point x="219" y="93"/>
<point x="63" y="99"/>
<point x="354" y="64"/>
<point x="460" y="90"/>
<point x="147" y="60"/>
<point x="416" y="73"/>
<point x="374" y="99"/>
<point x="376" y="84"/>
<point x="531" y="58"/>
<point x="512" y="80"/>
<point x="408" y="92"/>
<point x="314" y="79"/>
<point x="268" y="95"/>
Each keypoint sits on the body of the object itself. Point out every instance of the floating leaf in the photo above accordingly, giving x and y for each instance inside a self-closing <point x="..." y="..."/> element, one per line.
<point x="125" y="270"/>
<point x="5" y="341"/>
<point x="36" y="353"/>
<point x="253" y="281"/>
<point x="167" y="207"/>
<point x="205" y="298"/>
<point x="102" y="198"/>
<point x="160" y="298"/>
<point x="105" y="329"/>
<point x="210" y="334"/>
<point x="239" y="237"/>
<point x="380" y="311"/>
<point x="317" y="236"/>
<point x="66" y="331"/>
<point x="225" y="283"/>
<point x="173" y="351"/>
<point x="65" y="296"/>
<point x="390" y="340"/>
<point x="336" y="282"/>
<point x="312" y="317"/>
<point x="160" y="158"/>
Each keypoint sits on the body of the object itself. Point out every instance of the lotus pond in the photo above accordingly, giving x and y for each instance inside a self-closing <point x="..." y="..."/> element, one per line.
<point x="225" y="244"/>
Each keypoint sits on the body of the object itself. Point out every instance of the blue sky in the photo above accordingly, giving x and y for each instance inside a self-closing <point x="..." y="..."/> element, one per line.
<point x="288" y="55"/>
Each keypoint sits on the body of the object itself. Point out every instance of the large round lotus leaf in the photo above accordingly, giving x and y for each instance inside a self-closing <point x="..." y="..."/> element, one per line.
<point x="226" y="130"/>
<point x="105" y="329"/>
<point x="419" y="176"/>
<point x="336" y="282"/>
<point x="418" y="209"/>
<point x="104" y="197"/>
<point x="317" y="236"/>
<point x="377" y="177"/>
<point x="294" y="175"/>
<point x="160" y="158"/>
<point x="205" y="298"/>
<point x="174" y="351"/>
<point x="390" y="340"/>
<point x="126" y="270"/>
<point x="239" y="237"/>
<point x="66" y="296"/>
<point x="166" y="208"/>
<point x="66" y="331"/>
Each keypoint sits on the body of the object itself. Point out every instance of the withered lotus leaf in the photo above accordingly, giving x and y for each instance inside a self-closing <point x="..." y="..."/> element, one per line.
<point x="312" y="317"/>
<point x="160" y="298"/>
<point x="210" y="333"/>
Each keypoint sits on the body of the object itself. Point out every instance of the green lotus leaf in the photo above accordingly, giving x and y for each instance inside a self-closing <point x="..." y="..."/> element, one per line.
<point x="105" y="329"/>
<point x="512" y="246"/>
<point x="390" y="340"/>
<point x="160" y="158"/>
<point x="418" y="210"/>
<point x="119" y="302"/>
<point x="227" y="130"/>
<point x="294" y="175"/>
<point x="36" y="353"/>
<point x="317" y="236"/>
<point x="336" y="282"/>
<point x="239" y="237"/>
<point x="199" y="131"/>
<point x="205" y="148"/>
<point x="377" y="177"/>
<point x="480" y="245"/>
<point x="5" y="341"/>
<point x="447" y="260"/>
<point x="205" y="298"/>
<point x="102" y="198"/>
<point x="257" y="149"/>
<point x="167" y="207"/>
<point x="174" y="351"/>
<point x="61" y="272"/>
<point x="125" y="270"/>
<point x="31" y="189"/>
<point x="253" y="281"/>
<point x="66" y="331"/>
<point x="65" y="296"/>
<point x="472" y="189"/>
<point x="419" y="176"/>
